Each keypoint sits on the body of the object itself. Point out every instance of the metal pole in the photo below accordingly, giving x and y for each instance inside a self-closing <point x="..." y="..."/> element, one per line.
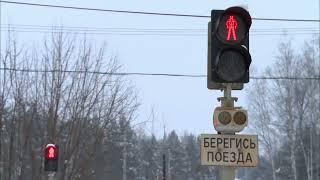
<point x="124" y="165"/>
<point x="51" y="176"/>
<point x="164" y="166"/>
<point x="1" y="160"/>
<point x="226" y="172"/>
<point x="169" y="173"/>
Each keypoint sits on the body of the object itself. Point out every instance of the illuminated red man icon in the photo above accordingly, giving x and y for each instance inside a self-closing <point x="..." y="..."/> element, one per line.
<point x="51" y="159"/>
<point x="51" y="152"/>
<point x="232" y="26"/>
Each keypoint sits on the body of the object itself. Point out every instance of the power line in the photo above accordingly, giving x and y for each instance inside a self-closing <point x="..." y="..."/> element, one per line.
<point x="131" y="29"/>
<point x="285" y="78"/>
<point x="152" y="34"/>
<point x="144" y="33"/>
<point x="149" y="74"/>
<point x="104" y="10"/>
<point x="148" y="13"/>
<point x="28" y="26"/>
<point x="99" y="72"/>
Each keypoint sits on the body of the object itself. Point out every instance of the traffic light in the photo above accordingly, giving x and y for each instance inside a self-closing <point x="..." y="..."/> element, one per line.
<point x="229" y="119"/>
<point x="228" y="47"/>
<point x="51" y="157"/>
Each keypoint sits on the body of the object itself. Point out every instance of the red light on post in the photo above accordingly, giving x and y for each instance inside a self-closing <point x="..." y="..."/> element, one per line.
<point x="51" y="151"/>
<point x="51" y="157"/>
<point x="231" y="26"/>
<point x="228" y="48"/>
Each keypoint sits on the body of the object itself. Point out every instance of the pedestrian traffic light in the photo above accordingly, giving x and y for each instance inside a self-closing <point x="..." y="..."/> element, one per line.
<point x="229" y="119"/>
<point x="51" y="156"/>
<point x="228" y="47"/>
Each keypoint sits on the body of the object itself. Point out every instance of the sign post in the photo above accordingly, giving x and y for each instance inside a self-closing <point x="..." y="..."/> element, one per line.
<point x="228" y="69"/>
<point x="227" y="149"/>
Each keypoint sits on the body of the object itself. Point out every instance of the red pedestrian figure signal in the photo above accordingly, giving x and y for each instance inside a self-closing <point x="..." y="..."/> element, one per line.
<point x="51" y="157"/>
<point x="51" y="152"/>
<point x="232" y="26"/>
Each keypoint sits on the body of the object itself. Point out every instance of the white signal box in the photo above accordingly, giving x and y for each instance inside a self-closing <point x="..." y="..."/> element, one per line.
<point x="230" y="119"/>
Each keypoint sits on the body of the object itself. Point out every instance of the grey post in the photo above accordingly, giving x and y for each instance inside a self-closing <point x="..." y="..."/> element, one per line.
<point x="124" y="165"/>
<point x="227" y="172"/>
<point x="51" y="176"/>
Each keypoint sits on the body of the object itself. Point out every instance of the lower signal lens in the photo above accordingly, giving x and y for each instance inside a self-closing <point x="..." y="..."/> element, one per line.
<point x="232" y="65"/>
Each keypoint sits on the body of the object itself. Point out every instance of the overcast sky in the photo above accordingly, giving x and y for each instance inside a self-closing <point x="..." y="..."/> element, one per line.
<point x="184" y="104"/>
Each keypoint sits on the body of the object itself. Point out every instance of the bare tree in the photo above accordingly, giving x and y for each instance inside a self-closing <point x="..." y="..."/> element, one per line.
<point x="283" y="98"/>
<point x="57" y="94"/>
<point x="306" y="100"/>
<point x="263" y="121"/>
<point x="288" y="108"/>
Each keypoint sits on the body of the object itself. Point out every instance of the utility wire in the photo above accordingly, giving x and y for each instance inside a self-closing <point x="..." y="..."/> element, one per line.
<point x="98" y="72"/>
<point x="148" y="74"/>
<point x="148" y="13"/>
<point x="143" y="31"/>
<point x="151" y="34"/>
<point x="130" y="29"/>
<point x="86" y="27"/>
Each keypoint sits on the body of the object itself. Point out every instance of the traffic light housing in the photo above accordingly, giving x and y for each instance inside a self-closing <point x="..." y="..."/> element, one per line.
<point x="228" y="48"/>
<point x="51" y="157"/>
<point x="230" y="119"/>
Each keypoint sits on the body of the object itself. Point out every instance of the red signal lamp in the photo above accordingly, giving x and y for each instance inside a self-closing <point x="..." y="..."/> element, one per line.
<point x="228" y="48"/>
<point x="51" y="151"/>
<point x="233" y="25"/>
<point x="51" y="157"/>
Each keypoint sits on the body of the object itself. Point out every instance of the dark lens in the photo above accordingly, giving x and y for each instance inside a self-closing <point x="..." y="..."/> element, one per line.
<point x="231" y="66"/>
